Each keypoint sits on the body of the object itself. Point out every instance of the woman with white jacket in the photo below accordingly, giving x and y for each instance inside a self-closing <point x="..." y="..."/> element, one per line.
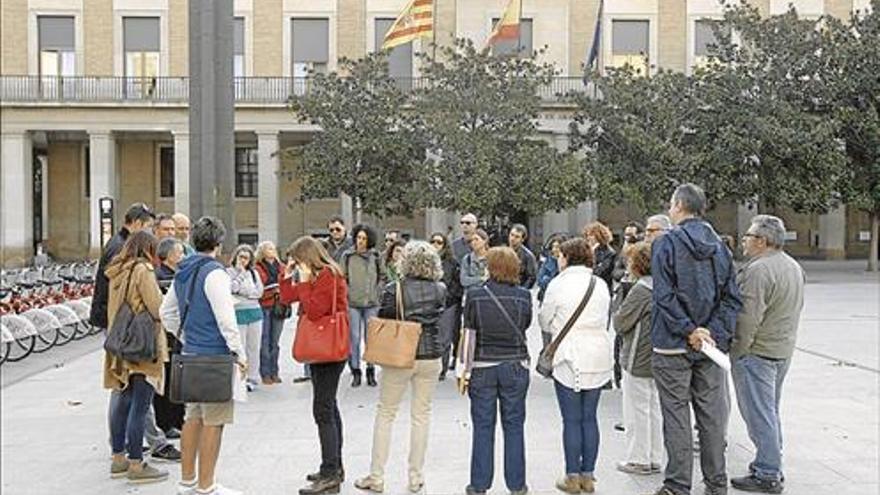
<point x="247" y="288"/>
<point x="582" y="363"/>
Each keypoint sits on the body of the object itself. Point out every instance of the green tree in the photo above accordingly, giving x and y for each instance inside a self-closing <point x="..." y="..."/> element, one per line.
<point x="477" y="115"/>
<point x="366" y="145"/>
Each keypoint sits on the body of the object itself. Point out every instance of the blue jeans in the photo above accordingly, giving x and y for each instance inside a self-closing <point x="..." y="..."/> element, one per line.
<point x="506" y="386"/>
<point x="580" y="428"/>
<point x="269" y="344"/>
<point x="127" y="422"/>
<point x="357" y="319"/>
<point x="758" y="384"/>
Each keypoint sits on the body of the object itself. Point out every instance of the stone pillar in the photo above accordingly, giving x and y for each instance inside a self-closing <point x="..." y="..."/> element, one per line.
<point x="832" y="234"/>
<point x="267" y="185"/>
<point x="102" y="182"/>
<point x="671" y="39"/>
<point x="351" y="28"/>
<point x="211" y="112"/>
<point x="840" y="9"/>
<point x="582" y="16"/>
<point x="446" y="25"/>
<point x="346" y="209"/>
<point x="181" y="172"/>
<point x="16" y="207"/>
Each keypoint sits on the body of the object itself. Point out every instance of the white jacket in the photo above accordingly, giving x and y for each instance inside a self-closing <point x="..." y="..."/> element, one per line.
<point x="584" y="358"/>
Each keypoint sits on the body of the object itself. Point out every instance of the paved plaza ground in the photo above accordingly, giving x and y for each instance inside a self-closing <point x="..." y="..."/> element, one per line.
<point x="54" y="434"/>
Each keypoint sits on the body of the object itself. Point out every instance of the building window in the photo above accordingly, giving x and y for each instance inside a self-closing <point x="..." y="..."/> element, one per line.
<point x="704" y="39"/>
<point x="630" y="45"/>
<point x="400" y="58"/>
<point x="246" y="172"/>
<point x="141" y="45"/>
<point x="57" y="46"/>
<point x="310" y="46"/>
<point x="521" y="46"/>
<point x="166" y="172"/>
<point x="238" y="35"/>
<point x="249" y="238"/>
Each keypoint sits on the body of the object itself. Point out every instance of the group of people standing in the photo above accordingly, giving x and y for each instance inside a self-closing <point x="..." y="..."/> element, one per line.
<point x="670" y="294"/>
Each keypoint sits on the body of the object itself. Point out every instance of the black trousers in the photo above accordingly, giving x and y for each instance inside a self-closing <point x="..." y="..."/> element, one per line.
<point x="325" y="383"/>
<point x="168" y="415"/>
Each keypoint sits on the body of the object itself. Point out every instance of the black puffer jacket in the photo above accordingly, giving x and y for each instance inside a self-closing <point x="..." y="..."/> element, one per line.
<point x="98" y="314"/>
<point x="423" y="302"/>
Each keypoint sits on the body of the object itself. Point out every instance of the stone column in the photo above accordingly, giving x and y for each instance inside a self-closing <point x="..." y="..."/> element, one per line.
<point x="832" y="234"/>
<point x="211" y="112"/>
<point x="181" y="172"/>
<point x="102" y="182"/>
<point x="16" y="208"/>
<point x="267" y="185"/>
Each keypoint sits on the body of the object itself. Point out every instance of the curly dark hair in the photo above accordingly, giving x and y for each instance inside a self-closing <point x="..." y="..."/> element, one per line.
<point x="370" y="231"/>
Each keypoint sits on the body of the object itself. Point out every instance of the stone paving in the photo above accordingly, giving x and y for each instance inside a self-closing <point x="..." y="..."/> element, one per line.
<point x="54" y="436"/>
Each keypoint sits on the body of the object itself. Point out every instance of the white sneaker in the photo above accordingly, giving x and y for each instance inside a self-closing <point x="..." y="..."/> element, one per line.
<point x="218" y="490"/>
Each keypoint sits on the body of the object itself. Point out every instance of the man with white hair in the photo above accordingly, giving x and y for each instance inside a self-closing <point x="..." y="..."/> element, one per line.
<point x="772" y="287"/>
<point x="182" y="227"/>
<point x="656" y="226"/>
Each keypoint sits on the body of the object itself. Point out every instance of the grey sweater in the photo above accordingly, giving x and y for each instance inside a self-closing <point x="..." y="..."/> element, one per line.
<point x="772" y="288"/>
<point x="635" y="310"/>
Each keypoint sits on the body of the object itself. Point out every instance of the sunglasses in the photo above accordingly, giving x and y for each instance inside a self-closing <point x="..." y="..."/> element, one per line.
<point x="467" y="222"/>
<point x="438" y="242"/>
<point x="336" y="229"/>
<point x="748" y="234"/>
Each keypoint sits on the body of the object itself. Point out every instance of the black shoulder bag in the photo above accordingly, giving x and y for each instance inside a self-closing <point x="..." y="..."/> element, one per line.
<point x="132" y="336"/>
<point x="545" y="361"/>
<point x="200" y="378"/>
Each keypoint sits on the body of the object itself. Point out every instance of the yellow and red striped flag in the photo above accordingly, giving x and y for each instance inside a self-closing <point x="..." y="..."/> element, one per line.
<point x="507" y="27"/>
<point x="415" y="21"/>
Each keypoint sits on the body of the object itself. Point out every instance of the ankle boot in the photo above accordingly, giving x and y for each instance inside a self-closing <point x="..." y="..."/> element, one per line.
<point x="355" y="378"/>
<point x="371" y="376"/>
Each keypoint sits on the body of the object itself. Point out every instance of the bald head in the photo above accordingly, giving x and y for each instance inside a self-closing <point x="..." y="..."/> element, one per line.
<point x="181" y="226"/>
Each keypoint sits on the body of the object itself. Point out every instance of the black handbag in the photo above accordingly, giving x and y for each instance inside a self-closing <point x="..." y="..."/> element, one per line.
<point x="279" y="310"/>
<point x="132" y="337"/>
<point x="545" y="360"/>
<point x="200" y="378"/>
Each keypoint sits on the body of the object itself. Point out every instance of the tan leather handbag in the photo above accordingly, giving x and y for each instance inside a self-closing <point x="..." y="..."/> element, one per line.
<point x="393" y="343"/>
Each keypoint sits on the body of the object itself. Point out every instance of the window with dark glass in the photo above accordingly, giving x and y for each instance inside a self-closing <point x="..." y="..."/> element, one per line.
<point x="310" y="49"/>
<point x="166" y="172"/>
<point x="630" y="44"/>
<point x="57" y="45"/>
<point x="246" y="172"/>
<point x="248" y="238"/>
<point x="400" y="58"/>
<point x="238" y="45"/>
<point x="521" y="46"/>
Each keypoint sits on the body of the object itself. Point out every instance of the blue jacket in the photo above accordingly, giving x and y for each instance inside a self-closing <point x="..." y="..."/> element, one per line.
<point x="496" y="340"/>
<point x="202" y="333"/>
<point x="694" y="286"/>
<point x="549" y="270"/>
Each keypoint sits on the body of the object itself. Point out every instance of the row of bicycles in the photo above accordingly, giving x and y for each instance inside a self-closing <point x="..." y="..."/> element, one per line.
<point x="44" y="307"/>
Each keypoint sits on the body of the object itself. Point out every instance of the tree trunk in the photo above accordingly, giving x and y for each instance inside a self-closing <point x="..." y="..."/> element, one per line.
<point x="875" y="233"/>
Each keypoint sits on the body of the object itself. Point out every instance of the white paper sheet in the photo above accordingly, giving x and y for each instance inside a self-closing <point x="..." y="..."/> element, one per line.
<point x="239" y="386"/>
<point x="715" y="355"/>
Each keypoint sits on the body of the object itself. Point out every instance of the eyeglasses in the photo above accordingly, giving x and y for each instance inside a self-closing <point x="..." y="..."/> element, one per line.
<point x="467" y="222"/>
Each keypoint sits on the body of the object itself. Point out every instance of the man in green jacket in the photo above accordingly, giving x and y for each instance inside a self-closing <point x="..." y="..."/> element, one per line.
<point x="772" y="287"/>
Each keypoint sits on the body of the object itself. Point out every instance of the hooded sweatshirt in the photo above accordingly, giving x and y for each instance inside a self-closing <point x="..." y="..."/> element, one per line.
<point x="694" y="286"/>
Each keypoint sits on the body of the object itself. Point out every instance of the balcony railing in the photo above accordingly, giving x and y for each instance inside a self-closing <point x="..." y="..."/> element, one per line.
<point x="175" y="90"/>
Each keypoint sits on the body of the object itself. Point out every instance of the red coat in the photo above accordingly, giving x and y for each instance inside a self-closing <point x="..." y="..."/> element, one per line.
<point x="268" y="298"/>
<point x="316" y="298"/>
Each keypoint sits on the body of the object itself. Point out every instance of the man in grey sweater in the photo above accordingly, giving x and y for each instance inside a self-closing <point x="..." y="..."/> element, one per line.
<point x="772" y="288"/>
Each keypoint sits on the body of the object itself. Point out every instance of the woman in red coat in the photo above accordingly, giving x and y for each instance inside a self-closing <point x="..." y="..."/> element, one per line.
<point x="313" y="279"/>
<point x="270" y="270"/>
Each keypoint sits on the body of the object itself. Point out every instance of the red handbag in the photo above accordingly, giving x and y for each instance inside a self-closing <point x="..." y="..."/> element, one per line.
<point x="325" y="340"/>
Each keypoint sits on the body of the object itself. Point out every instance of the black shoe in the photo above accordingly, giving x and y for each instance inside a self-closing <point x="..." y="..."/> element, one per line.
<point x="442" y="376"/>
<point x="752" y="483"/>
<point x="301" y="379"/>
<point x="167" y="453"/>
<point x="356" y="378"/>
<point x="317" y="475"/>
<point x="371" y="377"/>
<point x="329" y="484"/>
<point x="619" y="427"/>
<point x="172" y="434"/>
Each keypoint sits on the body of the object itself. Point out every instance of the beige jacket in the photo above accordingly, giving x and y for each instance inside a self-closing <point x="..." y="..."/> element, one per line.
<point x="143" y="294"/>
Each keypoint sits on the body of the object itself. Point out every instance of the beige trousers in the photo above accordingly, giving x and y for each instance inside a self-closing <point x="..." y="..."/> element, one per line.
<point x="393" y="383"/>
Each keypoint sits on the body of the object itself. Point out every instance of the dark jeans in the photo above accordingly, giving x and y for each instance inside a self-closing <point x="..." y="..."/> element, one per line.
<point x="506" y="386"/>
<point x="168" y="415"/>
<point x="269" y="344"/>
<point x="580" y="428"/>
<point x="685" y="380"/>
<point x="128" y="418"/>
<point x="450" y="327"/>
<point x="325" y="382"/>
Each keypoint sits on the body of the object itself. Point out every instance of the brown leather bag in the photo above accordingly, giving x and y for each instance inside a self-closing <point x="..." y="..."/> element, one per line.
<point x="393" y="343"/>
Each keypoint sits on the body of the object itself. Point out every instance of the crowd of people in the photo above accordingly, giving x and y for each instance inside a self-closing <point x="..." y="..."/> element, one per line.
<point x="645" y="318"/>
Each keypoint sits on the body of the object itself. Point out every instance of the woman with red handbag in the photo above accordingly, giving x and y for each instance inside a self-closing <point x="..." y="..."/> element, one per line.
<point x="322" y="340"/>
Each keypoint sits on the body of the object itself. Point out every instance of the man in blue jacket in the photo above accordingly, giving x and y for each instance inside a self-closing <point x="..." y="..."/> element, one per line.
<point x="696" y="301"/>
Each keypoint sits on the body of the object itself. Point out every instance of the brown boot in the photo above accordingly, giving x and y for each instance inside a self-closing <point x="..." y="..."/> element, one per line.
<point x="570" y="483"/>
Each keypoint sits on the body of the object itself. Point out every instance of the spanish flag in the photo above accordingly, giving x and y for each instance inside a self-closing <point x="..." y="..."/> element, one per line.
<point x="415" y="21"/>
<point x="507" y="27"/>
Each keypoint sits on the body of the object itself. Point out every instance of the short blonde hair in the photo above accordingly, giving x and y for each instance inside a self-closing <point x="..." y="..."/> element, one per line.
<point x="503" y="265"/>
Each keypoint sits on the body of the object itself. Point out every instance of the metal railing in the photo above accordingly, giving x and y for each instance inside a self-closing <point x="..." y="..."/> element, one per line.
<point x="175" y="90"/>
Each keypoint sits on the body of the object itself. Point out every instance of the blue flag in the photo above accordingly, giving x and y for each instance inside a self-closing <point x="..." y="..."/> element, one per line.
<point x="593" y="57"/>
